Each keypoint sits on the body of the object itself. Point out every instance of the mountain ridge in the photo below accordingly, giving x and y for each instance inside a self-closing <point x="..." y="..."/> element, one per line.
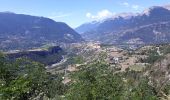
<point x="30" y="30"/>
<point x="112" y="30"/>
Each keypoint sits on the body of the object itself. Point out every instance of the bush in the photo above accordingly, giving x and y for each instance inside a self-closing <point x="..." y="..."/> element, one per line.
<point x="23" y="80"/>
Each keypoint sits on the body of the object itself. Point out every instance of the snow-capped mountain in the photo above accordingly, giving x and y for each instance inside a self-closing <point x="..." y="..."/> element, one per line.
<point x="132" y="28"/>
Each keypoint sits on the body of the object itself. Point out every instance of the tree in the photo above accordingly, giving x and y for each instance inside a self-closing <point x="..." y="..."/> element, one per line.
<point x="97" y="81"/>
<point x="24" y="79"/>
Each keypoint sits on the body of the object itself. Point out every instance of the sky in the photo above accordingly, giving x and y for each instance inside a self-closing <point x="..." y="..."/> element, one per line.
<point x="77" y="12"/>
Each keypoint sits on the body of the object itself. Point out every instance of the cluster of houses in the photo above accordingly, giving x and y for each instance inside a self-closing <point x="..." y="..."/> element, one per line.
<point x="115" y="55"/>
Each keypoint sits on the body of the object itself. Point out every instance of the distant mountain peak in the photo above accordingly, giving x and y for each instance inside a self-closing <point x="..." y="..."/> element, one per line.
<point x="167" y="6"/>
<point x="123" y="15"/>
<point x="155" y="9"/>
<point x="136" y="27"/>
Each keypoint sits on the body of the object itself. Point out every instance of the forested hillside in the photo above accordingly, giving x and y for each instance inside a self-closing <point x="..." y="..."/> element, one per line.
<point x="90" y="80"/>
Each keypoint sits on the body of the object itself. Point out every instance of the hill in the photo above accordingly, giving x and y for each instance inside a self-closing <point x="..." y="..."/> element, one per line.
<point x="19" y="31"/>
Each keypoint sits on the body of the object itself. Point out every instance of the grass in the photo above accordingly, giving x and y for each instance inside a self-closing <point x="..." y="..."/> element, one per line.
<point x="137" y="67"/>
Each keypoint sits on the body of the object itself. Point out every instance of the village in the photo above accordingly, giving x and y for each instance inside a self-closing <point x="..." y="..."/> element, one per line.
<point x="119" y="59"/>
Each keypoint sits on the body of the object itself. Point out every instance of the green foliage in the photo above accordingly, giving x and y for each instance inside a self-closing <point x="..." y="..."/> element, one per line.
<point x="75" y="60"/>
<point x="143" y="91"/>
<point x="96" y="81"/>
<point x="78" y="60"/>
<point x="165" y="49"/>
<point x="137" y="67"/>
<point x="24" y="80"/>
<point x="137" y="87"/>
<point x="167" y="89"/>
<point x="153" y="56"/>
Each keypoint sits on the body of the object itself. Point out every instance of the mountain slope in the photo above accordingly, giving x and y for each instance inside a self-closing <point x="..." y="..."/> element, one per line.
<point x="151" y="26"/>
<point x="19" y="31"/>
<point x="87" y="27"/>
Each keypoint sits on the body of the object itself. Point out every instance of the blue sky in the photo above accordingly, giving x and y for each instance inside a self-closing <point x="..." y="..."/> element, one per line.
<point x="77" y="12"/>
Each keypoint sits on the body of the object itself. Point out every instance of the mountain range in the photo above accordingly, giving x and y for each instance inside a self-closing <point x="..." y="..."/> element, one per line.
<point x="19" y="31"/>
<point x="149" y="27"/>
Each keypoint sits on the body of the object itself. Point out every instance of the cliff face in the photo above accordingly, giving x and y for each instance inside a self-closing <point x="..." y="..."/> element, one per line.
<point x="47" y="57"/>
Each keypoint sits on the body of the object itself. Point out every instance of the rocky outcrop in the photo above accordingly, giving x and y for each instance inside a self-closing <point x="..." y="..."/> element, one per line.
<point x="47" y="57"/>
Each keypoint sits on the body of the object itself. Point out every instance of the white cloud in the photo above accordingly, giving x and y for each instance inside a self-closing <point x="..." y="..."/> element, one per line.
<point x="133" y="6"/>
<point x="136" y="7"/>
<point x="125" y="4"/>
<point x="88" y="15"/>
<point x="100" y="15"/>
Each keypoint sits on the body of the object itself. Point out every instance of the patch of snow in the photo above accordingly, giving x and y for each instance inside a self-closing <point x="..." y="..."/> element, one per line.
<point x="128" y="15"/>
<point x="167" y="6"/>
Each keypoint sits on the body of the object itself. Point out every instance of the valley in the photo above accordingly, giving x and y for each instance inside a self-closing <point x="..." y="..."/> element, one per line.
<point x="119" y="57"/>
